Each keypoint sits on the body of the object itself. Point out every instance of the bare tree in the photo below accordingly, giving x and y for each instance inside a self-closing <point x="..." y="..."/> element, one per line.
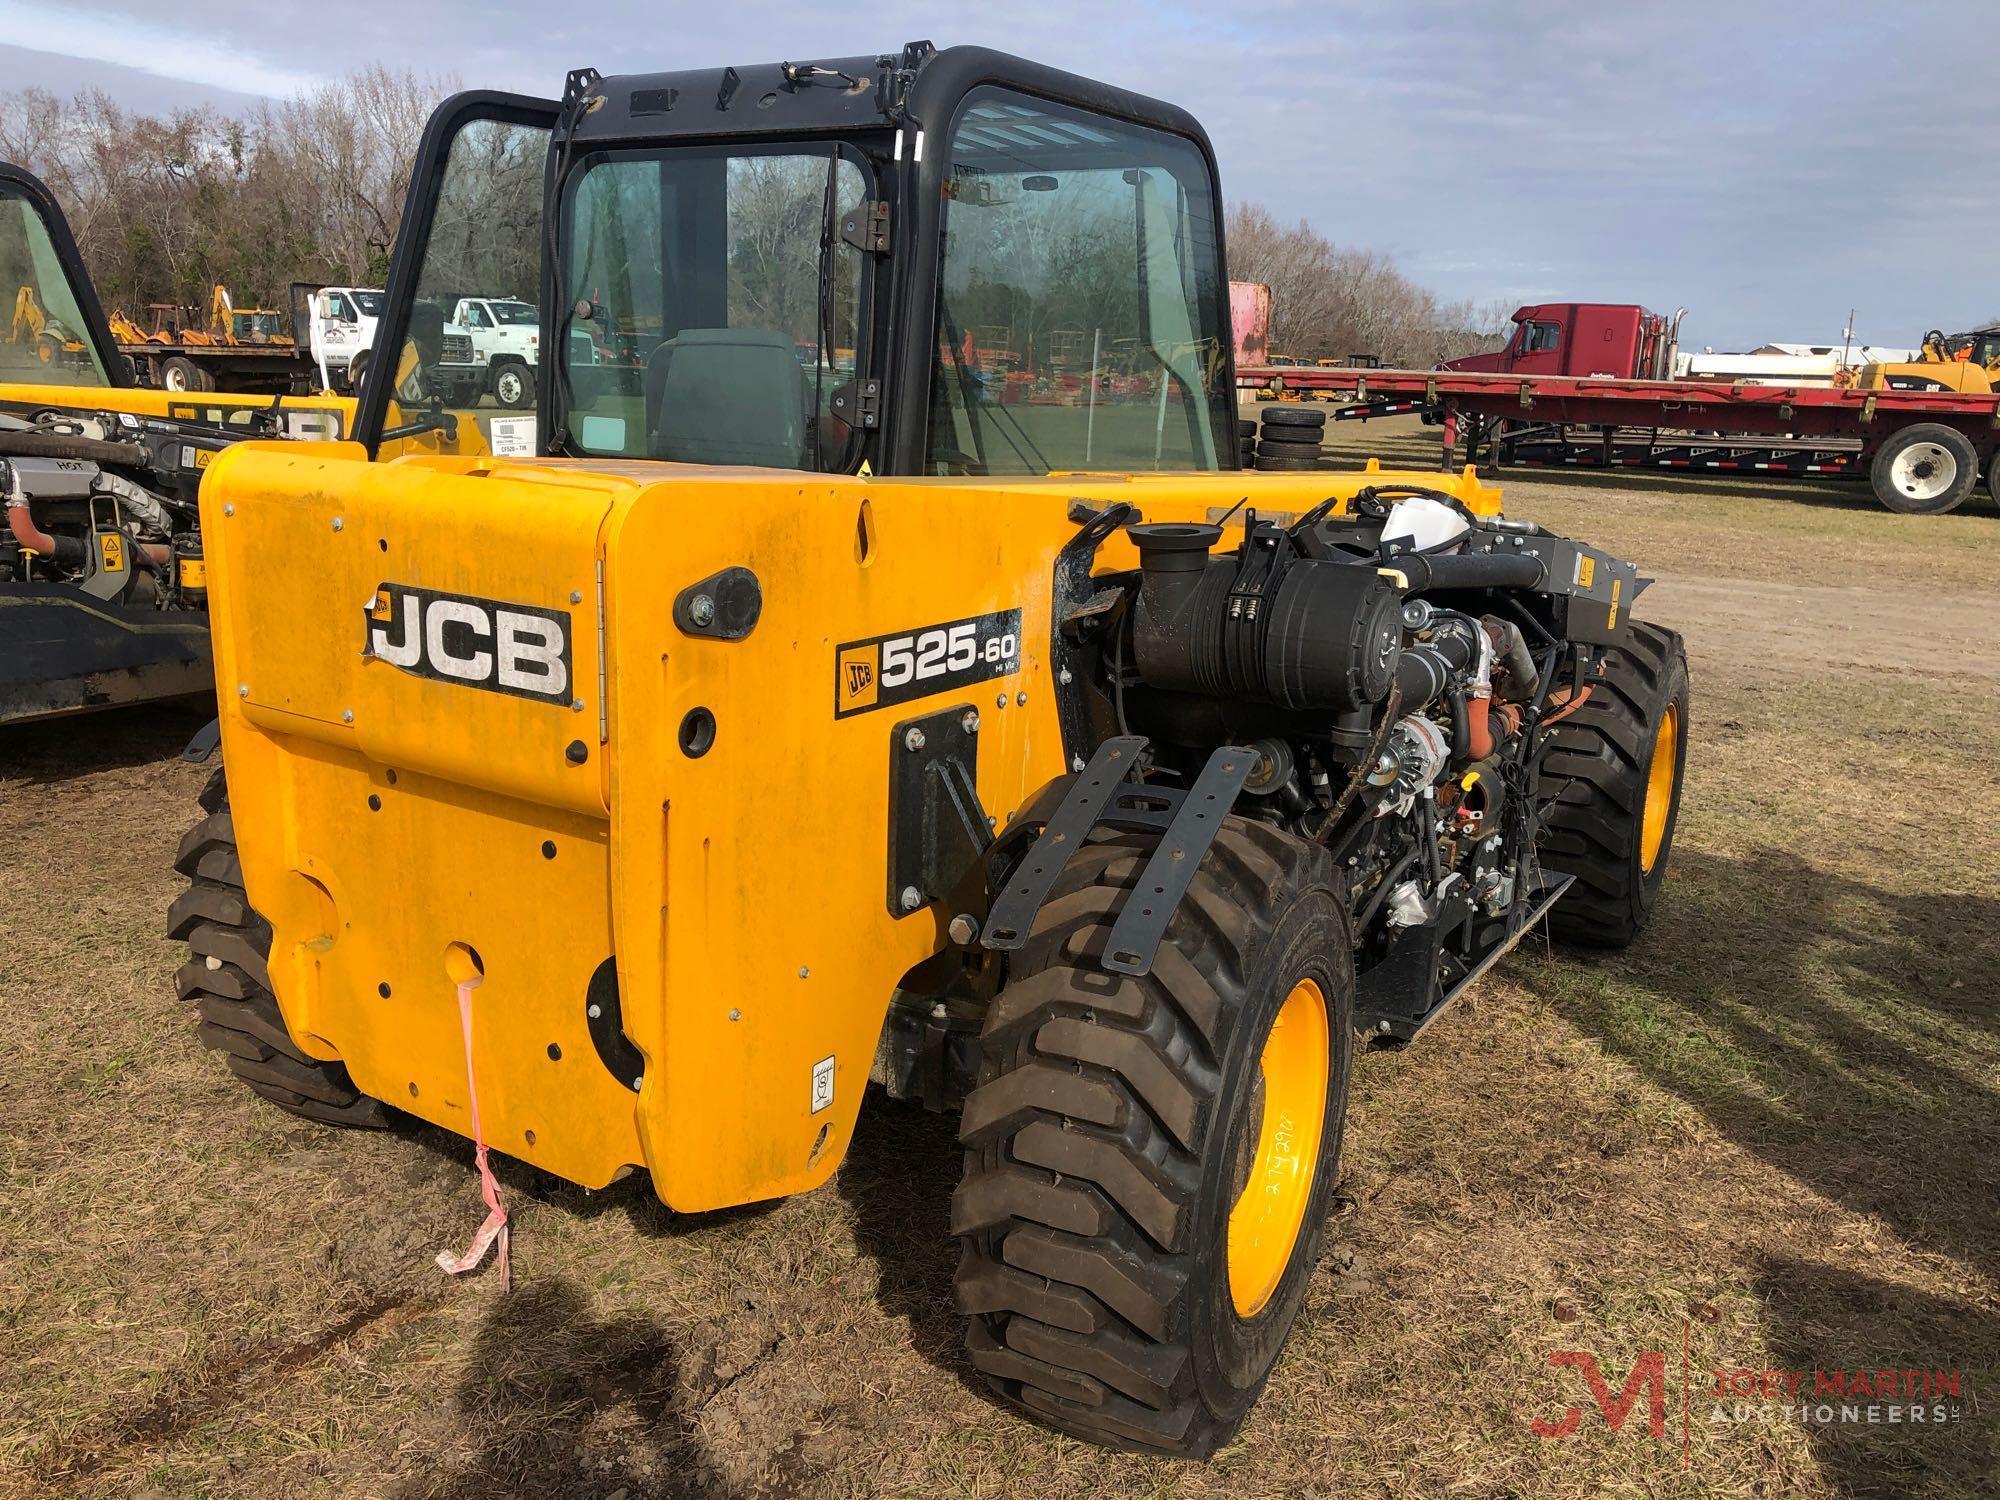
<point x="165" y="207"/>
<point x="1327" y="301"/>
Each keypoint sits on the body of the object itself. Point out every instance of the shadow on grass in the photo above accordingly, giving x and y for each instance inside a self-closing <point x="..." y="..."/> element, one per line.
<point x="1829" y="1319"/>
<point x="49" y="752"/>
<point x="898" y="1179"/>
<point x="563" y="1405"/>
<point x="1843" y="1032"/>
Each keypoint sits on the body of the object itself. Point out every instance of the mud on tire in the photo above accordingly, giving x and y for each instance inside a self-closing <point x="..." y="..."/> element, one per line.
<point x="225" y="979"/>
<point x="1598" y="780"/>
<point x="1114" y="1127"/>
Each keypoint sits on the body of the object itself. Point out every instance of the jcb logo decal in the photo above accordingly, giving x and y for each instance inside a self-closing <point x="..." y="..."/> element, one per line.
<point x="517" y="649"/>
<point x="888" y="669"/>
<point x="858" y="675"/>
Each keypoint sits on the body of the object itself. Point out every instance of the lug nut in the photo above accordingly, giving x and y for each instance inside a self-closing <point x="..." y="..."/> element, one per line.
<point x="701" y="609"/>
<point x="913" y="738"/>
<point x="912" y="898"/>
<point x="964" y="929"/>
<point x="969" y="722"/>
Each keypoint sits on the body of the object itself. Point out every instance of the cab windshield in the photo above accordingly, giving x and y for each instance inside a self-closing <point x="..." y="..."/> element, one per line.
<point x="712" y="311"/>
<point x="1079" y="303"/>
<point x="46" y="342"/>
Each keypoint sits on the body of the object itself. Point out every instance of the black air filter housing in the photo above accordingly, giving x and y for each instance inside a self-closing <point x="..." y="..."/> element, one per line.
<point x="1272" y="626"/>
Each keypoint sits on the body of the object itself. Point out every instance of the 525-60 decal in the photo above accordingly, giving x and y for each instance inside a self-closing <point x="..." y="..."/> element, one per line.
<point x="890" y="669"/>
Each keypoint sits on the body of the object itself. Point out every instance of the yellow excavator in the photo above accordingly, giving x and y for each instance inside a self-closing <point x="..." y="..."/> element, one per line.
<point x="50" y="340"/>
<point x="228" y="325"/>
<point x="1965" y="362"/>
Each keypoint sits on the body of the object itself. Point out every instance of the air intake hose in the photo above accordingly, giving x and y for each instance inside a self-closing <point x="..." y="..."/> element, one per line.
<point x="1470" y="570"/>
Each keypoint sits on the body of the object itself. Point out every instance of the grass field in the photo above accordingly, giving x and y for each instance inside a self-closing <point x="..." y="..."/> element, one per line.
<point x="1765" y="1137"/>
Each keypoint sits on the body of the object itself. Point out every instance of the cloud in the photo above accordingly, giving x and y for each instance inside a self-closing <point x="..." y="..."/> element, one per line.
<point x="218" y="57"/>
<point x="1769" y="166"/>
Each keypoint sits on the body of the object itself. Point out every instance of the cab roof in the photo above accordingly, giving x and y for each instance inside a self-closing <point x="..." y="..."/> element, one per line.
<point x="835" y="95"/>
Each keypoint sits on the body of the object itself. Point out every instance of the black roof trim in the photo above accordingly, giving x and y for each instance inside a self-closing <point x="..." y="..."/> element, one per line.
<point x="761" y="99"/>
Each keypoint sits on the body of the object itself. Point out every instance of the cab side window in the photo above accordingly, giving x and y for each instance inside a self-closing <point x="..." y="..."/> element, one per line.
<point x="1540" y="338"/>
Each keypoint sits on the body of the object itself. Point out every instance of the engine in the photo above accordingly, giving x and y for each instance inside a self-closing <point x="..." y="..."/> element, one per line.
<point x="1395" y="667"/>
<point x="97" y="504"/>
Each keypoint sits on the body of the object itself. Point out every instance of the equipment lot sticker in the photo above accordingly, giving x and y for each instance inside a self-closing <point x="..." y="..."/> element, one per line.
<point x="822" y="1094"/>
<point x="889" y="669"/>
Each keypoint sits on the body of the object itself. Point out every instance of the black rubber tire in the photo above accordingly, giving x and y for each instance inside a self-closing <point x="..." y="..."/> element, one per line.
<point x="1993" y="475"/>
<point x="179" y="375"/>
<point x="1947" y="439"/>
<point x="357" y="369"/>
<point x="1245" y="429"/>
<point x="1285" y="465"/>
<point x="1272" y="448"/>
<point x="1594" y="791"/>
<point x="1105" y="1144"/>
<point x="514" y="385"/>
<point x="1294" y="416"/>
<point x="225" y="979"/>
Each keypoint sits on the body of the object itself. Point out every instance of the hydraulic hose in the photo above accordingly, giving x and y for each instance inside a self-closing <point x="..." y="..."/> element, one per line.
<point x="66" y="445"/>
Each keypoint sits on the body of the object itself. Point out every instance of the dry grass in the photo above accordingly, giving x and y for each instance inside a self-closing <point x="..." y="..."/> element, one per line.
<point x="1771" y="1123"/>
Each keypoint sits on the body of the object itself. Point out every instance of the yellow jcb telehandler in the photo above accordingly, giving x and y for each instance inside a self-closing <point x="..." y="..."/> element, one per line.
<point x="743" y="730"/>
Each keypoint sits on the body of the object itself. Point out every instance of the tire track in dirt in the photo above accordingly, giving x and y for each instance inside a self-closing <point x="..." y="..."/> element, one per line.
<point x="201" y="1393"/>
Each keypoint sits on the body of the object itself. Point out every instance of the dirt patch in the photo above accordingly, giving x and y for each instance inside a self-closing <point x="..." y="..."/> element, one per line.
<point x="1793" y="627"/>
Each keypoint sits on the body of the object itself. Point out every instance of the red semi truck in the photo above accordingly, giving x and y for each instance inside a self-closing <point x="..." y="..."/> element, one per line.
<point x="1610" y="340"/>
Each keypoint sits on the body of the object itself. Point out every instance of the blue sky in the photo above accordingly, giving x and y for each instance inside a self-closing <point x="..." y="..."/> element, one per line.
<point x="1769" y="166"/>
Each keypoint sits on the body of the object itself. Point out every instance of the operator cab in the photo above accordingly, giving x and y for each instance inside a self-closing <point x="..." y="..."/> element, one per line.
<point x="951" y="262"/>
<point x="57" y="334"/>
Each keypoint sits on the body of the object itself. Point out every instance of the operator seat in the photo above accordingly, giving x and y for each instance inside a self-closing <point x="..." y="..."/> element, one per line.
<point x="727" y="396"/>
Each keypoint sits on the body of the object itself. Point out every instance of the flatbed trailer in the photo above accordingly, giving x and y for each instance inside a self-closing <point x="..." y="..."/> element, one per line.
<point x="251" y="369"/>
<point x="1921" y="450"/>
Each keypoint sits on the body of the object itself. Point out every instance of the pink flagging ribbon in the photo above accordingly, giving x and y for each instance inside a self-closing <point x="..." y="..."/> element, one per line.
<point x="494" y="1230"/>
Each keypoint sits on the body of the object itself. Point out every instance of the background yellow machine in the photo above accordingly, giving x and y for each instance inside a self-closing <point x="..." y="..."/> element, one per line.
<point x="1967" y="362"/>
<point x="103" y="591"/>
<point x="810" y="694"/>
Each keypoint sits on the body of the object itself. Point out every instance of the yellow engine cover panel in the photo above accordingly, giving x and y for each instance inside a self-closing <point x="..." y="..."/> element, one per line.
<point x="711" y="826"/>
<point x="388" y="809"/>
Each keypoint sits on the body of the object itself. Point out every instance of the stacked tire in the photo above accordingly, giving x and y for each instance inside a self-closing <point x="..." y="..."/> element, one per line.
<point x="1246" y="444"/>
<point x="1291" y="438"/>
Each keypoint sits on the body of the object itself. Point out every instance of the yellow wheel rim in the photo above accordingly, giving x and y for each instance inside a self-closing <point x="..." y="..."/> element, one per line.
<point x="1265" y="1221"/>
<point x="1659" y="789"/>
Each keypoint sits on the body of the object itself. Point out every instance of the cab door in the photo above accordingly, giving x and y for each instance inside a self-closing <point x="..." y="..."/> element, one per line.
<point x="473" y="225"/>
